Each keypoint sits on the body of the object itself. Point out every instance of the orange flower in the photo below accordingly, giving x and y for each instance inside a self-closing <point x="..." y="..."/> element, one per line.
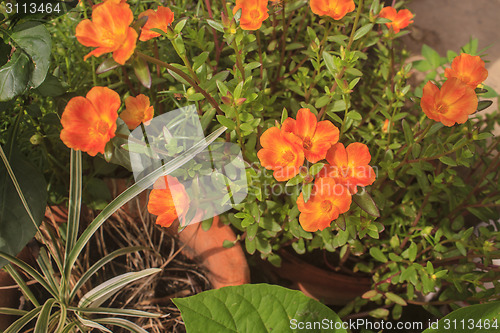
<point x="468" y="69"/>
<point x="281" y="152"/>
<point x="253" y="13"/>
<point x="349" y="166"/>
<point x="451" y="104"/>
<point x="109" y="31"/>
<point x="168" y="200"/>
<point x="90" y="122"/>
<point x="385" y="127"/>
<point x="336" y="9"/>
<point x="316" y="137"/>
<point x="328" y="200"/>
<point x="160" y="19"/>
<point x="115" y="1"/>
<point x="137" y="111"/>
<point x="400" y="20"/>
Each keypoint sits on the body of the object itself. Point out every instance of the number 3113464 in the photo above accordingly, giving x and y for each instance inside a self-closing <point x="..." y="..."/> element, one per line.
<point x="32" y="8"/>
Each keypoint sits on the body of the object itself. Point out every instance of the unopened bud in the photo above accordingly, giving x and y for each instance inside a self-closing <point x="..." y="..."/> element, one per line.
<point x="308" y="179"/>
<point x="36" y="139"/>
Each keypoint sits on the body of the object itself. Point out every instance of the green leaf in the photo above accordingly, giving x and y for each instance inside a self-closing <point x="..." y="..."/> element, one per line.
<point x="340" y="222"/>
<point x="480" y="313"/>
<point x="396" y="299"/>
<point x="253" y="308"/>
<point x="43" y="318"/>
<point x="216" y="25"/>
<point x="328" y="58"/>
<point x="19" y="324"/>
<point x="363" y="31"/>
<point x="366" y="203"/>
<point x="412" y="252"/>
<point x="107" y="65"/>
<point x="141" y="70"/>
<point x="306" y="191"/>
<point x="354" y="115"/>
<point x="431" y="55"/>
<point x="226" y="122"/>
<point x="448" y="160"/>
<point x="75" y="199"/>
<point x="316" y="168"/>
<point x="295" y="180"/>
<point x="102" y="292"/>
<point x="118" y="312"/>
<point x="482" y="136"/>
<point x="179" y="26"/>
<point x="98" y="265"/>
<point x="126" y="324"/>
<point x="14" y="76"/>
<point x="51" y="87"/>
<point x="408" y="132"/>
<point x="22" y="207"/>
<point x="34" y="39"/>
<point x="483" y="105"/>
<point x="376" y="253"/>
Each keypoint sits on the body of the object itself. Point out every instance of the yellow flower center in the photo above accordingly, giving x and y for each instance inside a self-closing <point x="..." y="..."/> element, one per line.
<point x="254" y="14"/>
<point x="326" y="206"/>
<point x="307" y="143"/>
<point x="288" y="156"/>
<point x="102" y="128"/>
<point x="441" y="108"/>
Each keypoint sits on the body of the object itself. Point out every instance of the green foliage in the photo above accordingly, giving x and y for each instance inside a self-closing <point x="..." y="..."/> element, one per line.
<point x="474" y="318"/>
<point x="23" y="198"/>
<point x="415" y="231"/>
<point x="255" y="308"/>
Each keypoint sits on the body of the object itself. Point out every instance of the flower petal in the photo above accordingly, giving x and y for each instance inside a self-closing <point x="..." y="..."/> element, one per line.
<point x="358" y="154"/>
<point x="337" y="155"/>
<point x="306" y="124"/>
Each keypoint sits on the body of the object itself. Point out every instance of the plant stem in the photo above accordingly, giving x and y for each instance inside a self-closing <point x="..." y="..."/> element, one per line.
<point x="348" y="48"/>
<point x="186" y="77"/>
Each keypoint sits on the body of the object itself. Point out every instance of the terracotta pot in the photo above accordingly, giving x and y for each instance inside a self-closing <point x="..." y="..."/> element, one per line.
<point x="10" y="296"/>
<point x="224" y="266"/>
<point x="326" y="286"/>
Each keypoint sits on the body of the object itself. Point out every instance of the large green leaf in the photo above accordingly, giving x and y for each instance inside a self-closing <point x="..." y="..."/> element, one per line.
<point x="14" y="76"/>
<point x="16" y="226"/>
<point x="34" y="39"/>
<point x="471" y="319"/>
<point x="255" y="308"/>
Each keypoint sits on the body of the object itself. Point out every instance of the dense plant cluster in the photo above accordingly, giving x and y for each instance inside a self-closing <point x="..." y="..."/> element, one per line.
<point x="341" y="154"/>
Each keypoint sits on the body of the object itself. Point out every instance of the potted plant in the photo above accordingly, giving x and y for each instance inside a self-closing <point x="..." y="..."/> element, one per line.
<point x="329" y="157"/>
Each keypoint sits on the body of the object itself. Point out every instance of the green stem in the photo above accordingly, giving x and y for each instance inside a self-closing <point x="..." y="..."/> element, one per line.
<point x="185" y="60"/>
<point x="348" y="48"/>
<point x="186" y="77"/>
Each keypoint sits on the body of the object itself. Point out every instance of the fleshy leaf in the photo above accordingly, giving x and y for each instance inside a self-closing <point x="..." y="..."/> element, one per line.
<point x="253" y="308"/>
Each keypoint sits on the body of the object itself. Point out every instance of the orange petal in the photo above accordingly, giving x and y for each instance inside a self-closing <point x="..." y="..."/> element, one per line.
<point x="88" y="34"/>
<point x="160" y="19"/>
<point x="325" y="136"/>
<point x="137" y="111"/>
<point x="288" y="125"/>
<point x="113" y="17"/>
<point x="337" y="155"/>
<point x="106" y="102"/>
<point x="358" y="154"/>
<point x="267" y="138"/>
<point x="429" y="97"/>
<point x="253" y="13"/>
<point x="306" y="124"/>
<point x="122" y="54"/>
